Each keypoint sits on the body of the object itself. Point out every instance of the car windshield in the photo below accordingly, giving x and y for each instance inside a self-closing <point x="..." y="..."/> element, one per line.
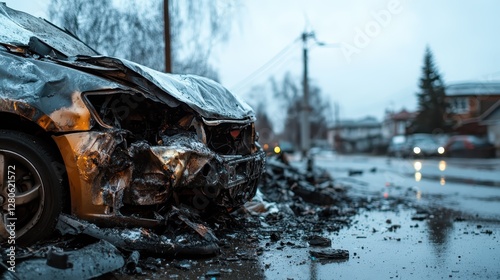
<point x="477" y="140"/>
<point x="422" y="138"/>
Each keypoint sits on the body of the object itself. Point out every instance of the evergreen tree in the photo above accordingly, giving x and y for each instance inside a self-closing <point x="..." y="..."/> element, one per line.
<point x="431" y="99"/>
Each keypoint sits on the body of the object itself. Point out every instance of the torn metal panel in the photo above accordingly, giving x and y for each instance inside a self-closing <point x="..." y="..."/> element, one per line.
<point x="134" y="239"/>
<point x="47" y="93"/>
<point x="74" y="117"/>
<point x="151" y="181"/>
<point x="93" y="158"/>
<point x="91" y="261"/>
<point x="83" y="153"/>
<point x="204" y="231"/>
<point x="185" y="156"/>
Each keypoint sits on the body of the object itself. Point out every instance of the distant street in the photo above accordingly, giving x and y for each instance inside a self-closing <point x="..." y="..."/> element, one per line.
<point x="445" y="223"/>
<point x="471" y="186"/>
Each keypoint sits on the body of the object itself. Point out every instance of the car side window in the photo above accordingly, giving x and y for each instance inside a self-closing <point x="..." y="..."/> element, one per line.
<point x="458" y="145"/>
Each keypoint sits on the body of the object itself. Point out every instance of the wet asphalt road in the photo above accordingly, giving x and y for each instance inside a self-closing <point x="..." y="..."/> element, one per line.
<point x="449" y="226"/>
<point x="426" y="219"/>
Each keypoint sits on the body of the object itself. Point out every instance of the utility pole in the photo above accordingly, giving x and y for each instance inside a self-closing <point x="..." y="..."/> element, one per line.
<point x="305" y="128"/>
<point x="168" y="46"/>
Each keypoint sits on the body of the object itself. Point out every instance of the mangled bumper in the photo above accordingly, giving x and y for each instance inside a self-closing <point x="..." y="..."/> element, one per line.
<point x="108" y="177"/>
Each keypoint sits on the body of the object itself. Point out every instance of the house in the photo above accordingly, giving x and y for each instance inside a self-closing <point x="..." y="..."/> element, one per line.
<point x="468" y="101"/>
<point x="364" y="135"/>
<point x="491" y="119"/>
<point x="396" y="123"/>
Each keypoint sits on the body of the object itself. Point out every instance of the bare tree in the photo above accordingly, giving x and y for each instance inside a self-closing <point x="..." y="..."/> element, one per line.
<point x="289" y="91"/>
<point x="263" y="125"/>
<point x="134" y="29"/>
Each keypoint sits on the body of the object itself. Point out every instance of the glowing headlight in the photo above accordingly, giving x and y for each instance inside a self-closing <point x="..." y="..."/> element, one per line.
<point x="441" y="150"/>
<point x="277" y="150"/>
<point x="416" y="150"/>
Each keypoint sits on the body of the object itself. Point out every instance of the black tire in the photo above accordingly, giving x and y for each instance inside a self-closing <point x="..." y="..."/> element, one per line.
<point x="37" y="183"/>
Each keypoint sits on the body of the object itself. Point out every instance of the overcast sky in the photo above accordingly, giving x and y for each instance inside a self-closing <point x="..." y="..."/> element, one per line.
<point x="377" y="61"/>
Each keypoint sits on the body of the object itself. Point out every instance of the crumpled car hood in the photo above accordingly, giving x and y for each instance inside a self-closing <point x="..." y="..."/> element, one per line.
<point x="208" y="98"/>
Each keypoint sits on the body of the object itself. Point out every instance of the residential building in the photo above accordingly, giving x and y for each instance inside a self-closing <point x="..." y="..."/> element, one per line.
<point x="468" y="101"/>
<point x="491" y="119"/>
<point x="364" y="135"/>
<point x="396" y="123"/>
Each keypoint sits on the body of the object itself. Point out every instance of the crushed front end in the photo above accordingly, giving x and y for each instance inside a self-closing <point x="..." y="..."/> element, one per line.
<point x="143" y="156"/>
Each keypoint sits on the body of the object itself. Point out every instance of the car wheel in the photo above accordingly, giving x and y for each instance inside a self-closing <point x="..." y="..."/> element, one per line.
<point x="30" y="189"/>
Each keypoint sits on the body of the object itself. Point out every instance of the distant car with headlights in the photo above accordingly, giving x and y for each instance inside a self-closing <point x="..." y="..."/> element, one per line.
<point x="109" y="140"/>
<point x="422" y="145"/>
<point x="469" y="146"/>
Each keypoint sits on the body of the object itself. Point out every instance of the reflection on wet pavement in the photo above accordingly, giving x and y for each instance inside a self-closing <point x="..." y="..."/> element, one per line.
<point x="390" y="245"/>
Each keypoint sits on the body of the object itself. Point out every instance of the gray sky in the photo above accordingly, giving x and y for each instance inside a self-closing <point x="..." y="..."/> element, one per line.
<point x="382" y="43"/>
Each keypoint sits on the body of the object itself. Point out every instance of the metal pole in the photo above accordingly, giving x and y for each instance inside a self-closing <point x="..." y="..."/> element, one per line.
<point x="305" y="127"/>
<point x="168" y="47"/>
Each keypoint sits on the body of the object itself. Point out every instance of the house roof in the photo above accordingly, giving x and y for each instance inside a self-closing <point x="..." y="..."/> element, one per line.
<point x="473" y="88"/>
<point x="402" y="115"/>
<point x="492" y="115"/>
<point x="368" y="122"/>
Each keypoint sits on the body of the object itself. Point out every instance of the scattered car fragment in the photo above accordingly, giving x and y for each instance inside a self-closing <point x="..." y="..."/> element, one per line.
<point x="89" y="262"/>
<point x="111" y="140"/>
<point x="319" y="241"/>
<point x="282" y="181"/>
<point x="332" y="254"/>
<point x="139" y="239"/>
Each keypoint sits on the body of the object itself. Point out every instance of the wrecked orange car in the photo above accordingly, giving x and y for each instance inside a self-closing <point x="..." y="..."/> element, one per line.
<point x="108" y="140"/>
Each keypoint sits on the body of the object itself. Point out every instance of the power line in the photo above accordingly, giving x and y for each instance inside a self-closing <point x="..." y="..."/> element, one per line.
<point x="279" y="57"/>
<point x="265" y="67"/>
